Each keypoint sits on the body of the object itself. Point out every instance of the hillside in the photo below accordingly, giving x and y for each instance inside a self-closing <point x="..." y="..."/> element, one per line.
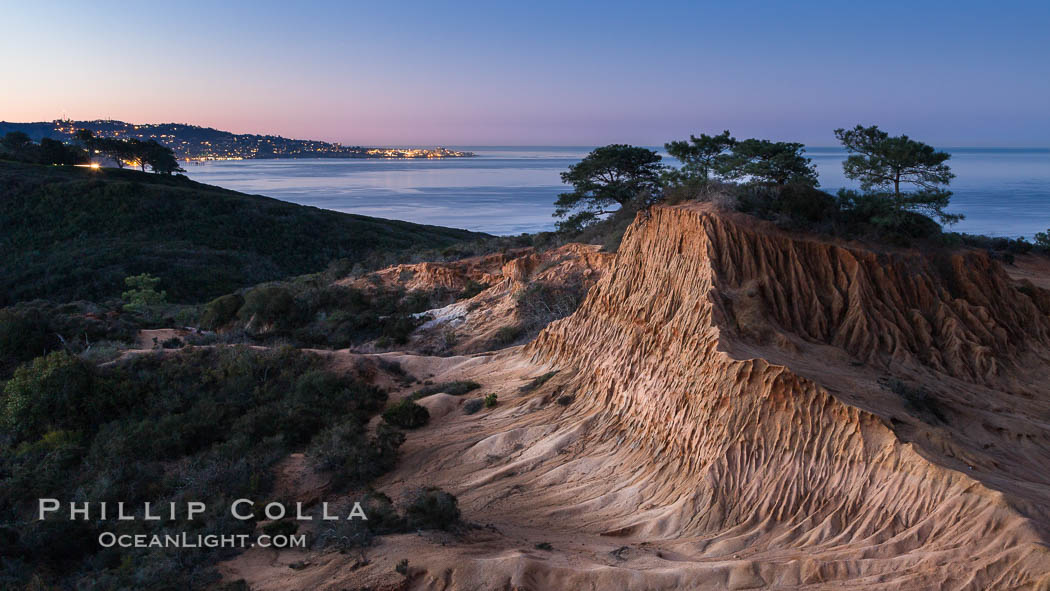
<point x="75" y="233"/>
<point x="736" y="407"/>
<point x="196" y="142"/>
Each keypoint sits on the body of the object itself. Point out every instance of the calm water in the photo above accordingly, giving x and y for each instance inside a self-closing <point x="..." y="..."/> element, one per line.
<point x="508" y="190"/>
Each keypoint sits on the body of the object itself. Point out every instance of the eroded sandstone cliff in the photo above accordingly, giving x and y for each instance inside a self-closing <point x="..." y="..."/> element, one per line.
<point x="757" y="363"/>
<point x="735" y="407"/>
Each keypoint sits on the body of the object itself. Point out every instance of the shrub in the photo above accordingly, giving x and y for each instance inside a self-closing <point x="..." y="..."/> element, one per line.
<point x="508" y="334"/>
<point x="172" y="343"/>
<point x="318" y="395"/>
<point x="221" y="311"/>
<point x="491" y="400"/>
<point x="566" y="400"/>
<point x="25" y="334"/>
<point x="52" y="392"/>
<point x="472" y="406"/>
<point x="392" y="367"/>
<point x="350" y="457"/>
<point x="382" y="517"/>
<point x="1042" y="240"/>
<point x="537" y="382"/>
<point x="398" y="328"/>
<point x="201" y="339"/>
<point x="31" y="329"/>
<point x="998" y="247"/>
<point x="343" y="534"/>
<point x="919" y="399"/>
<point x="457" y="388"/>
<point x="142" y="292"/>
<point x="268" y="304"/>
<point x="407" y="414"/>
<point x="541" y="303"/>
<point x="875" y="214"/>
<point x="471" y="289"/>
<point x="102" y="351"/>
<point x="205" y="424"/>
<point x="725" y="201"/>
<point x="432" y="508"/>
<point x="796" y="206"/>
<point x="546" y="546"/>
<point x="284" y="527"/>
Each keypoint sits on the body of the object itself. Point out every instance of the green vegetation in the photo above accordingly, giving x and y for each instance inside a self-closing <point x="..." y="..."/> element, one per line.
<point x="426" y="508"/>
<point x="32" y="329"/>
<point x="537" y="382"/>
<point x="611" y="176"/>
<point x="221" y="311"/>
<point x="918" y="399"/>
<point x="344" y="452"/>
<point x="614" y="182"/>
<point x="407" y="414"/>
<point x="314" y="311"/>
<point x="432" y="508"/>
<point x="142" y="292"/>
<point x="159" y="158"/>
<point x="17" y="146"/>
<point x="472" y="289"/>
<point x="902" y="187"/>
<point x="706" y="158"/>
<point x="881" y="162"/>
<point x="473" y="405"/>
<point x="701" y="157"/>
<point x="541" y="303"/>
<point x="508" y="335"/>
<point x="1042" y="240"/>
<point x="458" y="388"/>
<point x="777" y="163"/>
<point x="74" y="233"/>
<point x="491" y="400"/>
<point x="203" y="425"/>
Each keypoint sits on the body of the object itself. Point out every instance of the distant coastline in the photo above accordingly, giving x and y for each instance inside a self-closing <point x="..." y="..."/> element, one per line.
<point x="193" y="142"/>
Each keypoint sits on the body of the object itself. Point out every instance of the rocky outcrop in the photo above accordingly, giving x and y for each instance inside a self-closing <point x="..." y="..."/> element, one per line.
<point x="748" y="362"/>
<point x="429" y="276"/>
<point x="475" y="323"/>
<point x="734" y="407"/>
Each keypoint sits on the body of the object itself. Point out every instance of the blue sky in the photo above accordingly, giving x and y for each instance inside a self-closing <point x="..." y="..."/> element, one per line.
<point x="950" y="73"/>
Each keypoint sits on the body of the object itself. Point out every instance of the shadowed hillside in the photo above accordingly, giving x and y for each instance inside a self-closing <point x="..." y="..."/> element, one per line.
<point x="75" y="233"/>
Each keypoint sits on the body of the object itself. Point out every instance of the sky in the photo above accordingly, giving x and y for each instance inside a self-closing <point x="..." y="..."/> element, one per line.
<point x="954" y="73"/>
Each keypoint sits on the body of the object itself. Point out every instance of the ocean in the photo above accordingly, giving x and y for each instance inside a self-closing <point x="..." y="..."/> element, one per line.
<point x="509" y="190"/>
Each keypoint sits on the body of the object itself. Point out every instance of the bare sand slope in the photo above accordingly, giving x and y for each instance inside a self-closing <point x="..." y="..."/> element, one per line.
<point x="740" y="408"/>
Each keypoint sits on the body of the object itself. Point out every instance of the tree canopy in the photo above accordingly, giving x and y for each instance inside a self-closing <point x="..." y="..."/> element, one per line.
<point x="16" y="145"/>
<point x="159" y="158"/>
<point x="613" y="176"/>
<point x="883" y="163"/>
<point x="777" y="163"/>
<point x="701" y="156"/>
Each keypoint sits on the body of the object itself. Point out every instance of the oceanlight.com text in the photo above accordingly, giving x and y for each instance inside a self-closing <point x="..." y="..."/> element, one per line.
<point x="111" y="540"/>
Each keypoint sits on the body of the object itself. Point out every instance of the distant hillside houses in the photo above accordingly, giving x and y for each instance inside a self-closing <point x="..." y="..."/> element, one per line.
<point x="192" y="142"/>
